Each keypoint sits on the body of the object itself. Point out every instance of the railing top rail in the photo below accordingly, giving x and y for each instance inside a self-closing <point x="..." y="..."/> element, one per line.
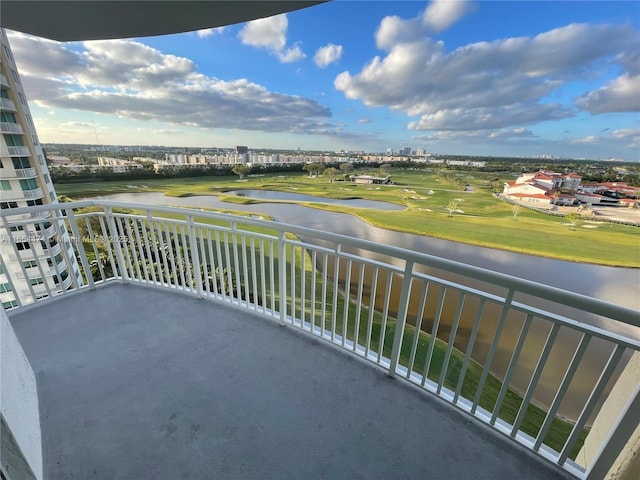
<point x="589" y="304"/>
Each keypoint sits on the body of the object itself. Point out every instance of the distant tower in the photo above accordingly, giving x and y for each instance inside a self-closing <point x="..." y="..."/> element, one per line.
<point x="25" y="181"/>
<point x="242" y="153"/>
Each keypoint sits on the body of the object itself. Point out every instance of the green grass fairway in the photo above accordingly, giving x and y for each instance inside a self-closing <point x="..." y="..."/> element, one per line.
<point x="485" y="221"/>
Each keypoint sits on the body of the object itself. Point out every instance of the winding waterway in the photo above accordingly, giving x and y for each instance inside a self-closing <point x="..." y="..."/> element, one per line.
<point x="615" y="285"/>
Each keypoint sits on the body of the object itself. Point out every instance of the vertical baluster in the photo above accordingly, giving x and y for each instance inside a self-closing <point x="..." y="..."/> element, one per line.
<point x="512" y="367"/>
<point x="372" y="309"/>
<point x="132" y="246"/>
<point x="336" y="285"/>
<point x="263" y="277"/>
<point x="177" y="243"/>
<point x="79" y="247"/>
<point x="293" y="277"/>
<point x="562" y="390"/>
<point x="124" y="245"/>
<point x="403" y="304"/>
<point x="254" y="275"/>
<point x="282" y="277"/>
<point x="114" y="239"/>
<point x="219" y="273"/>
<point x="303" y="286"/>
<point x="167" y="254"/>
<point x="434" y="335"/>
<point x="347" y="301"/>
<point x="149" y="256"/>
<point x="385" y="315"/>
<point x="229" y="269"/>
<point x="314" y="258"/>
<point x="325" y="280"/>
<point x="467" y="355"/>
<point x="236" y="262"/>
<point x="245" y="272"/>
<point x="187" y="257"/>
<point x="596" y="393"/>
<point x="492" y="350"/>
<point x="212" y="266"/>
<point x="96" y="252"/>
<point x="195" y="256"/>
<point x="452" y="337"/>
<point x="356" y="327"/>
<point x="108" y="245"/>
<point x="535" y="377"/>
<point x="416" y="336"/>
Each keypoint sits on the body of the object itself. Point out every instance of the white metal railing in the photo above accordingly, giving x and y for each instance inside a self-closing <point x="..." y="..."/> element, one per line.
<point x="20" y="151"/>
<point x="26" y="172"/>
<point x="7" y="104"/>
<point x="8" y="127"/>
<point x="33" y="194"/>
<point x="399" y="309"/>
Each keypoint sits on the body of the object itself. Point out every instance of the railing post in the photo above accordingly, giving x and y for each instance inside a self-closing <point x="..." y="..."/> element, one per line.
<point x="115" y="240"/>
<point x="282" y="276"/>
<point x="195" y="257"/>
<point x="403" y="307"/>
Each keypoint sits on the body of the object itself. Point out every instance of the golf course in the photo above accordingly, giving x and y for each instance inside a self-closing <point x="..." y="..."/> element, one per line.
<point x="434" y="205"/>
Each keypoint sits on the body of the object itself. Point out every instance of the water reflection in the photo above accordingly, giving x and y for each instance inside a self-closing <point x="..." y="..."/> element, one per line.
<point x="299" y="197"/>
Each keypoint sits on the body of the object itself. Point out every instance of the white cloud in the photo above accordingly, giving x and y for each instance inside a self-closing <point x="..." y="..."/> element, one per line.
<point x="290" y="55"/>
<point x="131" y="80"/>
<point x="621" y="95"/>
<point x="436" y="17"/>
<point x="364" y="120"/>
<point x="271" y="34"/>
<point x="208" y="32"/>
<point x="441" y="14"/>
<point x="327" y="55"/>
<point x="485" y="85"/>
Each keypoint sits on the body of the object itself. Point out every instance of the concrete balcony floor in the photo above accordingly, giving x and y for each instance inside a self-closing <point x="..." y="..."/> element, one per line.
<point x="141" y="383"/>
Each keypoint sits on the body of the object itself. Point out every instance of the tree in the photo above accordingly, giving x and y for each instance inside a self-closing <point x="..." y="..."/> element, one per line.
<point x="572" y="219"/>
<point x="314" y="168"/>
<point x="383" y="169"/>
<point x="241" y="170"/>
<point x="346" y="167"/>
<point x="331" y="173"/>
<point x="451" y="208"/>
<point x="515" y="209"/>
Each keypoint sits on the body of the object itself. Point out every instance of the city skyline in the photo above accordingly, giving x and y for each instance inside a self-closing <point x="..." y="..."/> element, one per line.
<point x="467" y="78"/>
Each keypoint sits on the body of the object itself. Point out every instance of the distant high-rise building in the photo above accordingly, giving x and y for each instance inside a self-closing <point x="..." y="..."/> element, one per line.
<point x="25" y="181"/>
<point x="405" y="151"/>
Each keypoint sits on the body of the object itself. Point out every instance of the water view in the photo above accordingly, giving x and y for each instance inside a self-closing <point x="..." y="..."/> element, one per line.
<point x="607" y="283"/>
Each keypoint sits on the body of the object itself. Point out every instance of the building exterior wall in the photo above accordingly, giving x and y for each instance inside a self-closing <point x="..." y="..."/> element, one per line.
<point x="25" y="181"/>
<point x="21" y="446"/>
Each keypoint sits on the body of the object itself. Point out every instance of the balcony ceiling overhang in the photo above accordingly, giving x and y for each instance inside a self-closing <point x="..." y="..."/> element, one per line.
<point x="105" y="19"/>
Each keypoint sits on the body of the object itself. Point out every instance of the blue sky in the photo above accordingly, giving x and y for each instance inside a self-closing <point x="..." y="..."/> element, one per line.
<point x="486" y="78"/>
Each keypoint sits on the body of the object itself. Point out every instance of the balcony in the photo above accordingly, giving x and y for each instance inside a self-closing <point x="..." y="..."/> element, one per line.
<point x="8" y="127"/>
<point x="20" y="151"/>
<point x="32" y="194"/>
<point x="7" y="104"/>
<point x="180" y="363"/>
<point x="26" y="172"/>
<point x="3" y="81"/>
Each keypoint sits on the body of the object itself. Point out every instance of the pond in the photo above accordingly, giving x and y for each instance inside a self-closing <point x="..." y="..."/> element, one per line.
<point x="299" y="197"/>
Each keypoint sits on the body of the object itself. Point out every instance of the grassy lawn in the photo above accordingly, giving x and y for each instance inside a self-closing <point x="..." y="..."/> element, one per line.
<point x="485" y="220"/>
